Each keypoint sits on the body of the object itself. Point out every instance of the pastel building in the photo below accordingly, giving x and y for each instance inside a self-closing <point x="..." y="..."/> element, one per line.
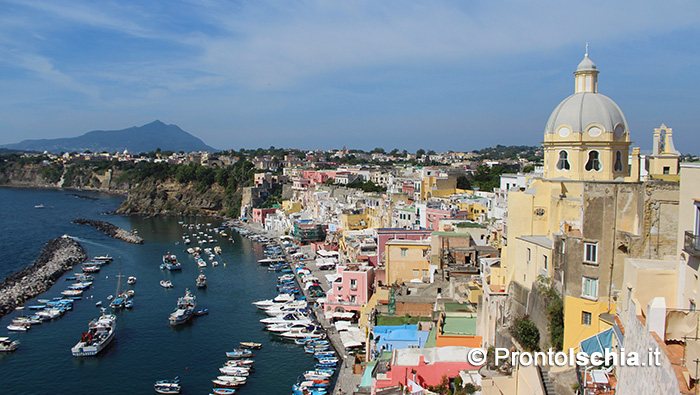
<point x="425" y="366"/>
<point x="351" y="287"/>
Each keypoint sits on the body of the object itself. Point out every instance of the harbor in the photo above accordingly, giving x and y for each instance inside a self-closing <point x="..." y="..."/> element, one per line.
<point x="146" y="348"/>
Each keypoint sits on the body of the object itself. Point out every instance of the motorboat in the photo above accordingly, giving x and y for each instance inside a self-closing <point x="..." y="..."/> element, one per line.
<point x="100" y="333"/>
<point x="239" y="362"/>
<point x="239" y="354"/>
<point x="7" y="345"/>
<point x="251" y="345"/>
<point x="131" y="280"/>
<point x="234" y="371"/>
<point x="235" y="379"/>
<point x="281" y="298"/>
<point x="170" y="262"/>
<point x="18" y="327"/>
<point x="201" y="281"/>
<point x="287" y="318"/>
<point x="166" y="284"/>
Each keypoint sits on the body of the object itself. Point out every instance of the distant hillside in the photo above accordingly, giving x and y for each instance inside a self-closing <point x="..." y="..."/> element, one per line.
<point x="134" y="139"/>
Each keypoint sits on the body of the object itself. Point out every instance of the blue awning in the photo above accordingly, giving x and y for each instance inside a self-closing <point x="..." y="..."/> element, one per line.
<point x="599" y="342"/>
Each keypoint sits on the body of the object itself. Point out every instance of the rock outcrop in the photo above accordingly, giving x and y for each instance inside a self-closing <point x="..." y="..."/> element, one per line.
<point x="58" y="256"/>
<point x="111" y="230"/>
<point x="173" y="198"/>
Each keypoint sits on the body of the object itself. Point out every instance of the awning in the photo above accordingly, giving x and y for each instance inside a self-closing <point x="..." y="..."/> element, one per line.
<point x="598" y="343"/>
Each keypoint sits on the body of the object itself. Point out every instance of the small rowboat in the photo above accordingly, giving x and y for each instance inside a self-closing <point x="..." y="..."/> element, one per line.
<point x="223" y="391"/>
<point x="251" y="345"/>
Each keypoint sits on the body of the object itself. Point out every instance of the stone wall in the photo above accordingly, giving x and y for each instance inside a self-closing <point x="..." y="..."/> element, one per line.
<point x="643" y="380"/>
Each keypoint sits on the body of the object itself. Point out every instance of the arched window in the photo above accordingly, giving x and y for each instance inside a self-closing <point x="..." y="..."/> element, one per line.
<point x="563" y="163"/>
<point x="618" y="161"/>
<point x="593" y="161"/>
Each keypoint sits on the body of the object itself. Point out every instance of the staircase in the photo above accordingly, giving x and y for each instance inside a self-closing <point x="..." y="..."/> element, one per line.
<point x="547" y="383"/>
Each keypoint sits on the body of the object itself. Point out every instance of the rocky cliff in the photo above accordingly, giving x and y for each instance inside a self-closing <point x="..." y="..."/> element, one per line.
<point x="170" y="197"/>
<point x="36" y="175"/>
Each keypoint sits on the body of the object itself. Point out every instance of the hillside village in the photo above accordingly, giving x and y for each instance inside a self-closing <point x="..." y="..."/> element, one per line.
<point x="589" y="244"/>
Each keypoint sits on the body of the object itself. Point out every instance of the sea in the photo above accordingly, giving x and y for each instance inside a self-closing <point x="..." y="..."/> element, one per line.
<point x="146" y="348"/>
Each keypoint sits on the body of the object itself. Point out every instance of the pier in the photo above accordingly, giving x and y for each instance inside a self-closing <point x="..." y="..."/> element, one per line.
<point x="58" y="256"/>
<point x="111" y="230"/>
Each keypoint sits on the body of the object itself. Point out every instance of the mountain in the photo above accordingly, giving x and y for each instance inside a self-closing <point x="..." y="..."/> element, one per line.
<point x="134" y="139"/>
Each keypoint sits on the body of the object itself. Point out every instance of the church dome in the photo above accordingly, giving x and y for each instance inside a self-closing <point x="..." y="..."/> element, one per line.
<point x="587" y="110"/>
<point x="584" y="109"/>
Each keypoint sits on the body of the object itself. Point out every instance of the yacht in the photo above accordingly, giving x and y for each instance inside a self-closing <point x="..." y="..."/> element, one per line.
<point x="100" y="333"/>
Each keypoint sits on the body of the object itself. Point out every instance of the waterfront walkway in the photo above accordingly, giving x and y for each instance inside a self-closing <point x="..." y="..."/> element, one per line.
<point x="347" y="381"/>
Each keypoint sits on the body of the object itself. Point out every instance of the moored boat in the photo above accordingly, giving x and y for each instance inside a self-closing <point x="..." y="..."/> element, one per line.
<point x="170" y="262"/>
<point x="167" y="388"/>
<point x="251" y="345"/>
<point x="201" y="281"/>
<point x="185" y="309"/>
<point x="131" y="280"/>
<point x="100" y="333"/>
<point x="7" y="345"/>
<point x="166" y="284"/>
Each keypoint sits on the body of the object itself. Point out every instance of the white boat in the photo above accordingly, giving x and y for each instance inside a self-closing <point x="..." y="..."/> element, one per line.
<point x="131" y="280"/>
<point x="72" y="292"/>
<point x="166" y="284"/>
<point x="100" y="333"/>
<point x="311" y="333"/>
<point x="185" y="309"/>
<point x="234" y="371"/>
<point x="7" y="345"/>
<point x="287" y="318"/>
<point x="279" y="299"/>
<point x="18" y="327"/>
<point x="39" y="206"/>
<point x="201" y="263"/>
<point x="235" y="379"/>
<point x="286" y="327"/>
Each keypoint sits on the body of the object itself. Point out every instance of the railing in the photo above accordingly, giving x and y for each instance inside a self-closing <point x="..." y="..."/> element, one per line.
<point x="692" y="244"/>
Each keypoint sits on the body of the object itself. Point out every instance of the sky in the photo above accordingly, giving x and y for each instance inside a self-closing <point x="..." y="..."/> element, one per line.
<point x="440" y="75"/>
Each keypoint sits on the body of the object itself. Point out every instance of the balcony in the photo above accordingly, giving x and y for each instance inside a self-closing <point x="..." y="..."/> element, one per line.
<point x="692" y="244"/>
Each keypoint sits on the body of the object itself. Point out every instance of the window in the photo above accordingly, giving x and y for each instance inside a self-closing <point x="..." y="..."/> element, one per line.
<point x="590" y="254"/>
<point x="593" y="161"/>
<point x="353" y="298"/>
<point x="667" y="170"/>
<point x="416" y="273"/>
<point x="589" y="287"/>
<point x="529" y="255"/>
<point x="563" y="163"/>
<point x="353" y="283"/>
<point x="404" y="252"/>
<point x="544" y="257"/>
<point x="618" y="161"/>
<point x="425" y="273"/>
<point x="425" y="253"/>
<point x="586" y="318"/>
<point x="692" y="306"/>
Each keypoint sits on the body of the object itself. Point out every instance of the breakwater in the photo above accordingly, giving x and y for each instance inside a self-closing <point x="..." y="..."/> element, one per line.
<point x="111" y="230"/>
<point x="58" y="256"/>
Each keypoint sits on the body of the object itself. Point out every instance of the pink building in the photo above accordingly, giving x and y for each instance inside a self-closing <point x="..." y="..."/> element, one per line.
<point x="260" y="214"/>
<point x="425" y="366"/>
<point x="434" y="215"/>
<point x="300" y="184"/>
<point x="351" y="286"/>
<point x="318" y="177"/>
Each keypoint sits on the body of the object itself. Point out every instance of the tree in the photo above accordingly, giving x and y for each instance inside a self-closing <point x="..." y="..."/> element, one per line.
<point x="420" y="153"/>
<point x="463" y="182"/>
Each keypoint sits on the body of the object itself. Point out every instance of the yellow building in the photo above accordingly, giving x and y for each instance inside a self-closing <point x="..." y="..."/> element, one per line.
<point x="588" y="213"/>
<point x="291" y="207"/>
<point x="407" y="260"/>
<point x="355" y="221"/>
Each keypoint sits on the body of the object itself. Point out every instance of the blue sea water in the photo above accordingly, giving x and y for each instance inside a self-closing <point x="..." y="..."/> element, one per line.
<point x="146" y="348"/>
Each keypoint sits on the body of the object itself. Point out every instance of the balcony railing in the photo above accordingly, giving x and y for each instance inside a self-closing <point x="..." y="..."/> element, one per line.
<point x="692" y="244"/>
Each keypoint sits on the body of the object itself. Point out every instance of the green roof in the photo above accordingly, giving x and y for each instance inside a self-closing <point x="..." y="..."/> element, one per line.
<point x="465" y="326"/>
<point x="432" y="338"/>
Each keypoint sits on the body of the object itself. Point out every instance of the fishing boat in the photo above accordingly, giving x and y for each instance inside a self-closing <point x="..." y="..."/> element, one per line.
<point x="100" y="333"/>
<point x="129" y="304"/>
<point x="201" y="281"/>
<point x="166" y="284"/>
<point x="184" y="310"/>
<point x="39" y="206"/>
<point x="7" y="345"/>
<point x="223" y="391"/>
<point x="251" y="345"/>
<point x="167" y="388"/>
<point x="239" y="354"/>
<point x="170" y="262"/>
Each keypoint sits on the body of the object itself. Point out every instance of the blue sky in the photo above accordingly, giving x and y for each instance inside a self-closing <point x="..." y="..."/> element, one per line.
<point x="442" y="75"/>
